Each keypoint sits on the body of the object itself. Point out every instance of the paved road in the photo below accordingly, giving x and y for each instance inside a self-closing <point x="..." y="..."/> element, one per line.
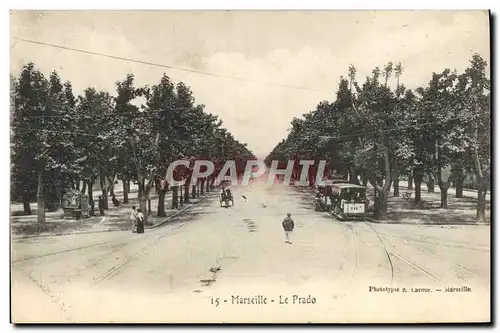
<point x="178" y="272"/>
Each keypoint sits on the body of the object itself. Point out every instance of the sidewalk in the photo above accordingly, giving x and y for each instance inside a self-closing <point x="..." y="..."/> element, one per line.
<point x="115" y="219"/>
<point x="460" y="211"/>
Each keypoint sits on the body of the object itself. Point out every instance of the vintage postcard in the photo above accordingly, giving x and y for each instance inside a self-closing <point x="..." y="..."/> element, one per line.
<point x="250" y="166"/>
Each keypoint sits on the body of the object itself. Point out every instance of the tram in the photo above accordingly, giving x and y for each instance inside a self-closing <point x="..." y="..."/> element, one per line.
<point x="349" y="201"/>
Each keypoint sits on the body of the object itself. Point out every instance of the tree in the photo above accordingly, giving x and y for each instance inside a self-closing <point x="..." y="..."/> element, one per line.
<point x="41" y="140"/>
<point x="161" y="103"/>
<point x="474" y="99"/>
<point x="95" y="144"/>
<point x="23" y="179"/>
<point x="139" y="129"/>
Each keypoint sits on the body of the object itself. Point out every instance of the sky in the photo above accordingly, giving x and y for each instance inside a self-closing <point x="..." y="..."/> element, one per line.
<point x="273" y="51"/>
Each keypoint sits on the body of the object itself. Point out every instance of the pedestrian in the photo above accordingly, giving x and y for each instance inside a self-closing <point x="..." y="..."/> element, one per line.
<point x="133" y="217"/>
<point x="116" y="202"/>
<point x="288" y="226"/>
<point x="101" y="206"/>
<point x="140" y="222"/>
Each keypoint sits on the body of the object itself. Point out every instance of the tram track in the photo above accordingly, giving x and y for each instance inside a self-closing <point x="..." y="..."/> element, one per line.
<point x="61" y="252"/>
<point x="54" y="299"/>
<point x="354" y="239"/>
<point x="385" y="250"/>
<point x="115" y="247"/>
<point x="444" y="242"/>
<point x="114" y="270"/>
<point x="391" y="253"/>
<point x="456" y="268"/>
<point x="450" y="245"/>
<point x="413" y="264"/>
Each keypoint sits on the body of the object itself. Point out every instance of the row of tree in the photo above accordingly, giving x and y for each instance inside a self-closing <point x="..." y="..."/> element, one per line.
<point x="62" y="142"/>
<point x="440" y="132"/>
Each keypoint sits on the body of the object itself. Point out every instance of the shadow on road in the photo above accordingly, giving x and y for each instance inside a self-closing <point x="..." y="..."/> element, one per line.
<point x="251" y="226"/>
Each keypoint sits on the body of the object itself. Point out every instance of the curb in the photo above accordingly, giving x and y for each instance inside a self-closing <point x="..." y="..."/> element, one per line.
<point x="66" y="234"/>
<point x="176" y="213"/>
<point x="431" y="224"/>
<point x="111" y="230"/>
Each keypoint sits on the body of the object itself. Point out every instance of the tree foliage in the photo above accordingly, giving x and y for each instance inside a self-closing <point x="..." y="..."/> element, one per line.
<point x="60" y="141"/>
<point x="378" y="130"/>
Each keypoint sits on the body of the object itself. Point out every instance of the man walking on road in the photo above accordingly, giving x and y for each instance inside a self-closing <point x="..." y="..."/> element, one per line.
<point x="288" y="226"/>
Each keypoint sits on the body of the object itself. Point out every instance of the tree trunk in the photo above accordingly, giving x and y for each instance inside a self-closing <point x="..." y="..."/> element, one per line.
<point x="418" y="191"/>
<point x="481" y="205"/>
<point x="382" y="191"/>
<point x="149" y="206"/>
<point x="142" y="196"/>
<point x="143" y="201"/>
<point x="193" y="192"/>
<point x="353" y="177"/>
<point x="161" y="203"/>
<point x="459" y="186"/>
<point x="90" y="192"/>
<point x="26" y="205"/>
<point x="40" y="198"/>
<point x="430" y="184"/>
<point x="111" y="186"/>
<point x="444" y="195"/>
<point x="443" y="184"/>
<point x="104" y="191"/>
<point x="181" y="195"/>
<point x="84" y="187"/>
<point x="418" y="177"/>
<point x="175" y="197"/>
<point x="365" y="181"/>
<point x="202" y="187"/>
<point x="186" y="191"/>
<point x="381" y="205"/>
<point x="77" y="185"/>
<point x="396" y="187"/>
<point x="126" y="189"/>
<point x="480" y="182"/>
<point x="208" y="184"/>
<point x="410" y="181"/>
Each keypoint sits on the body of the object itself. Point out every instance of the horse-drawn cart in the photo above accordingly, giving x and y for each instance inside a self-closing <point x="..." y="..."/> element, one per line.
<point x="225" y="199"/>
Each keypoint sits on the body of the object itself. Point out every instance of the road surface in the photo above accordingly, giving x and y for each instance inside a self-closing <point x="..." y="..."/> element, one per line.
<point x="202" y="267"/>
